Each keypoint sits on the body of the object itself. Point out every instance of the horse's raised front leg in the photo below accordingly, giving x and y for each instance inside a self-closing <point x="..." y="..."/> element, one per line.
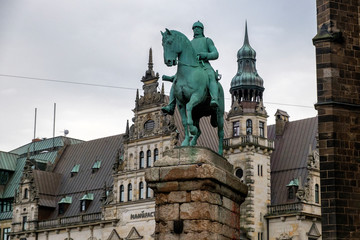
<point x="182" y="111"/>
<point x="194" y="100"/>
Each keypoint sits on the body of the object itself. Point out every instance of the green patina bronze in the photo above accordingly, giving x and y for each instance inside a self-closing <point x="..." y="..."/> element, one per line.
<point x="195" y="88"/>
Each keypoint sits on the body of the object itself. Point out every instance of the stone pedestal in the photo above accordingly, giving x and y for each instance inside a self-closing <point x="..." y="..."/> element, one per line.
<point x="197" y="195"/>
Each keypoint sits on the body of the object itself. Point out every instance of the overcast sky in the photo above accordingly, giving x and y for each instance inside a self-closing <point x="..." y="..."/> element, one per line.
<point x="107" y="43"/>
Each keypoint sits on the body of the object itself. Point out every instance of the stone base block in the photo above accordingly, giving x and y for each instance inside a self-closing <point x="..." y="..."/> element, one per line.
<point x="197" y="195"/>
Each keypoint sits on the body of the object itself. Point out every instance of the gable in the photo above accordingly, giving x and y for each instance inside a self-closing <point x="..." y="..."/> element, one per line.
<point x="314" y="231"/>
<point x="133" y="234"/>
<point x="114" y="235"/>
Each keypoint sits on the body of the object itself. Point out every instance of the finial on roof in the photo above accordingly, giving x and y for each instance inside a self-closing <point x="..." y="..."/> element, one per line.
<point x="127" y="130"/>
<point x="150" y="64"/>
<point x="150" y="75"/>
<point x="246" y="39"/>
<point x="162" y="89"/>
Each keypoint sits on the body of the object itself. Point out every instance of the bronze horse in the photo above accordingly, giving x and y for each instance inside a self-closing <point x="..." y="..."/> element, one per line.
<point x="191" y="88"/>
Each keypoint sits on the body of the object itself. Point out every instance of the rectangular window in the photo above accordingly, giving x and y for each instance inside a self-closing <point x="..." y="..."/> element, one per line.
<point x="261" y="129"/>
<point x="24" y="223"/>
<point x="6" y="232"/>
<point x="236" y="129"/>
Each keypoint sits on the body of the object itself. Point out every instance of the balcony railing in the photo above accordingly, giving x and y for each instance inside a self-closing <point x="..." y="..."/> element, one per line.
<point x="244" y="140"/>
<point x="86" y="218"/>
<point x="285" y="208"/>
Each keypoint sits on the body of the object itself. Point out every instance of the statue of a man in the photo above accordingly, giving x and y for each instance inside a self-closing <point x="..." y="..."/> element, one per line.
<point x="206" y="50"/>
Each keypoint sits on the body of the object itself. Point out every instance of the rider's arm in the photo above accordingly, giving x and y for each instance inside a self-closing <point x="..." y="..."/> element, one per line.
<point x="213" y="53"/>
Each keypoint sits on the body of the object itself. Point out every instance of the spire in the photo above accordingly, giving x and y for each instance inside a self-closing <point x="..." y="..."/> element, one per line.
<point x="246" y="38"/>
<point x="150" y="75"/>
<point x="247" y="85"/>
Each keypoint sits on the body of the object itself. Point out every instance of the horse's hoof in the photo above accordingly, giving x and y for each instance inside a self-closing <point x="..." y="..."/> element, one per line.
<point x="185" y="143"/>
<point x="167" y="110"/>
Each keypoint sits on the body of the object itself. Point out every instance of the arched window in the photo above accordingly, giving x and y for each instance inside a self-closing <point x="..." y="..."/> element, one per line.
<point x="141" y="190"/>
<point x="122" y="193"/>
<point x="26" y="193"/>
<point x="262" y="129"/>
<point x="156" y="154"/>
<point x="129" y="192"/>
<point x="317" y="193"/>
<point x="148" y="191"/>
<point x="236" y="129"/>
<point x="141" y="160"/>
<point x="249" y="127"/>
<point x="148" y="158"/>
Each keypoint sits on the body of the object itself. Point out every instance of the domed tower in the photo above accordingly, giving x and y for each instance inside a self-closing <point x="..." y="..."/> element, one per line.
<point x="248" y="148"/>
<point x="247" y="86"/>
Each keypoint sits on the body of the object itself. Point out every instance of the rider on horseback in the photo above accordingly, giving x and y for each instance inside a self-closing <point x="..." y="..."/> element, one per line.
<point x="206" y="50"/>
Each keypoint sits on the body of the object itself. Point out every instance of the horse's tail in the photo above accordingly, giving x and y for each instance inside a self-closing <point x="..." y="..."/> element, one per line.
<point x="218" y="115"/>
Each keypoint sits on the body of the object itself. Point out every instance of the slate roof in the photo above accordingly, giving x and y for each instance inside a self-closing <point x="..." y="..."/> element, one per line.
<point x="289" y="159"/>
<point x="85" y="181"/>
<point x="47" y="184"/>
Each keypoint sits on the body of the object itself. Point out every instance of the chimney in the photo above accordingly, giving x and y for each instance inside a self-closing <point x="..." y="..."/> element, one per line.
<point x="281" y="118"/>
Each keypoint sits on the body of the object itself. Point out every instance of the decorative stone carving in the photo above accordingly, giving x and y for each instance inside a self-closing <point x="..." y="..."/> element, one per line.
<point x="284" y="236"/>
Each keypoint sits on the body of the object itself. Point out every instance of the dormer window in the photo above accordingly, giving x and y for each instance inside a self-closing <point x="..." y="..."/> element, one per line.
<point x="149" y="125"/>
<point x="75" y="170"/>
<point x="292" y="188"/>
<point x="85" y="201"/>
<point x="96" y="166"/>
<point x="64" y="204"/>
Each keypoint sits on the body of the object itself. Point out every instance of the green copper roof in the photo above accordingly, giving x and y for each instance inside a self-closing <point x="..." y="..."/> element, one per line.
<point x="96" y="165"/>
<point x="75" y="168"/>
<point x="246" y="76"/>
<point x="66" y="199"/>
<point x="88" y="196"/>
<point x="8" y="161"/>
<point x="294" y="182"/>
<point x="44" y="145"/>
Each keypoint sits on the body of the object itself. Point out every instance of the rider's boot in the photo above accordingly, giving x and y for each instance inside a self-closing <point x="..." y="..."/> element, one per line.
<point x="214" y="103"/>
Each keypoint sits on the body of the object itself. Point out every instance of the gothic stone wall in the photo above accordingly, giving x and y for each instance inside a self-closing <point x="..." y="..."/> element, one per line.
<point x="338" y="87"/>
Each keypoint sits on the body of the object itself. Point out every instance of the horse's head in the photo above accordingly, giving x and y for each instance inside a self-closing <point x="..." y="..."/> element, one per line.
<point x="170" y="46"/>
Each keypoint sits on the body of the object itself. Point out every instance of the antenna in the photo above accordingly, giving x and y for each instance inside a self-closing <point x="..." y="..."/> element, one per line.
<point x="54" y="125"/>
<point x="35" y="129"/>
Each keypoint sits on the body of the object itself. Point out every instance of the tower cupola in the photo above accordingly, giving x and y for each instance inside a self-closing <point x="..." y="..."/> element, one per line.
<point x="246" y="85"/>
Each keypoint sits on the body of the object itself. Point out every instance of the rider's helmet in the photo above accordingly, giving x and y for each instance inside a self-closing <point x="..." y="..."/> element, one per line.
<point x="198" y="24"/>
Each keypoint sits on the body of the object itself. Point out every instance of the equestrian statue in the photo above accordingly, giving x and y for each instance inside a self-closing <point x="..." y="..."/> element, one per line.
<point x="195" y="88"/>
